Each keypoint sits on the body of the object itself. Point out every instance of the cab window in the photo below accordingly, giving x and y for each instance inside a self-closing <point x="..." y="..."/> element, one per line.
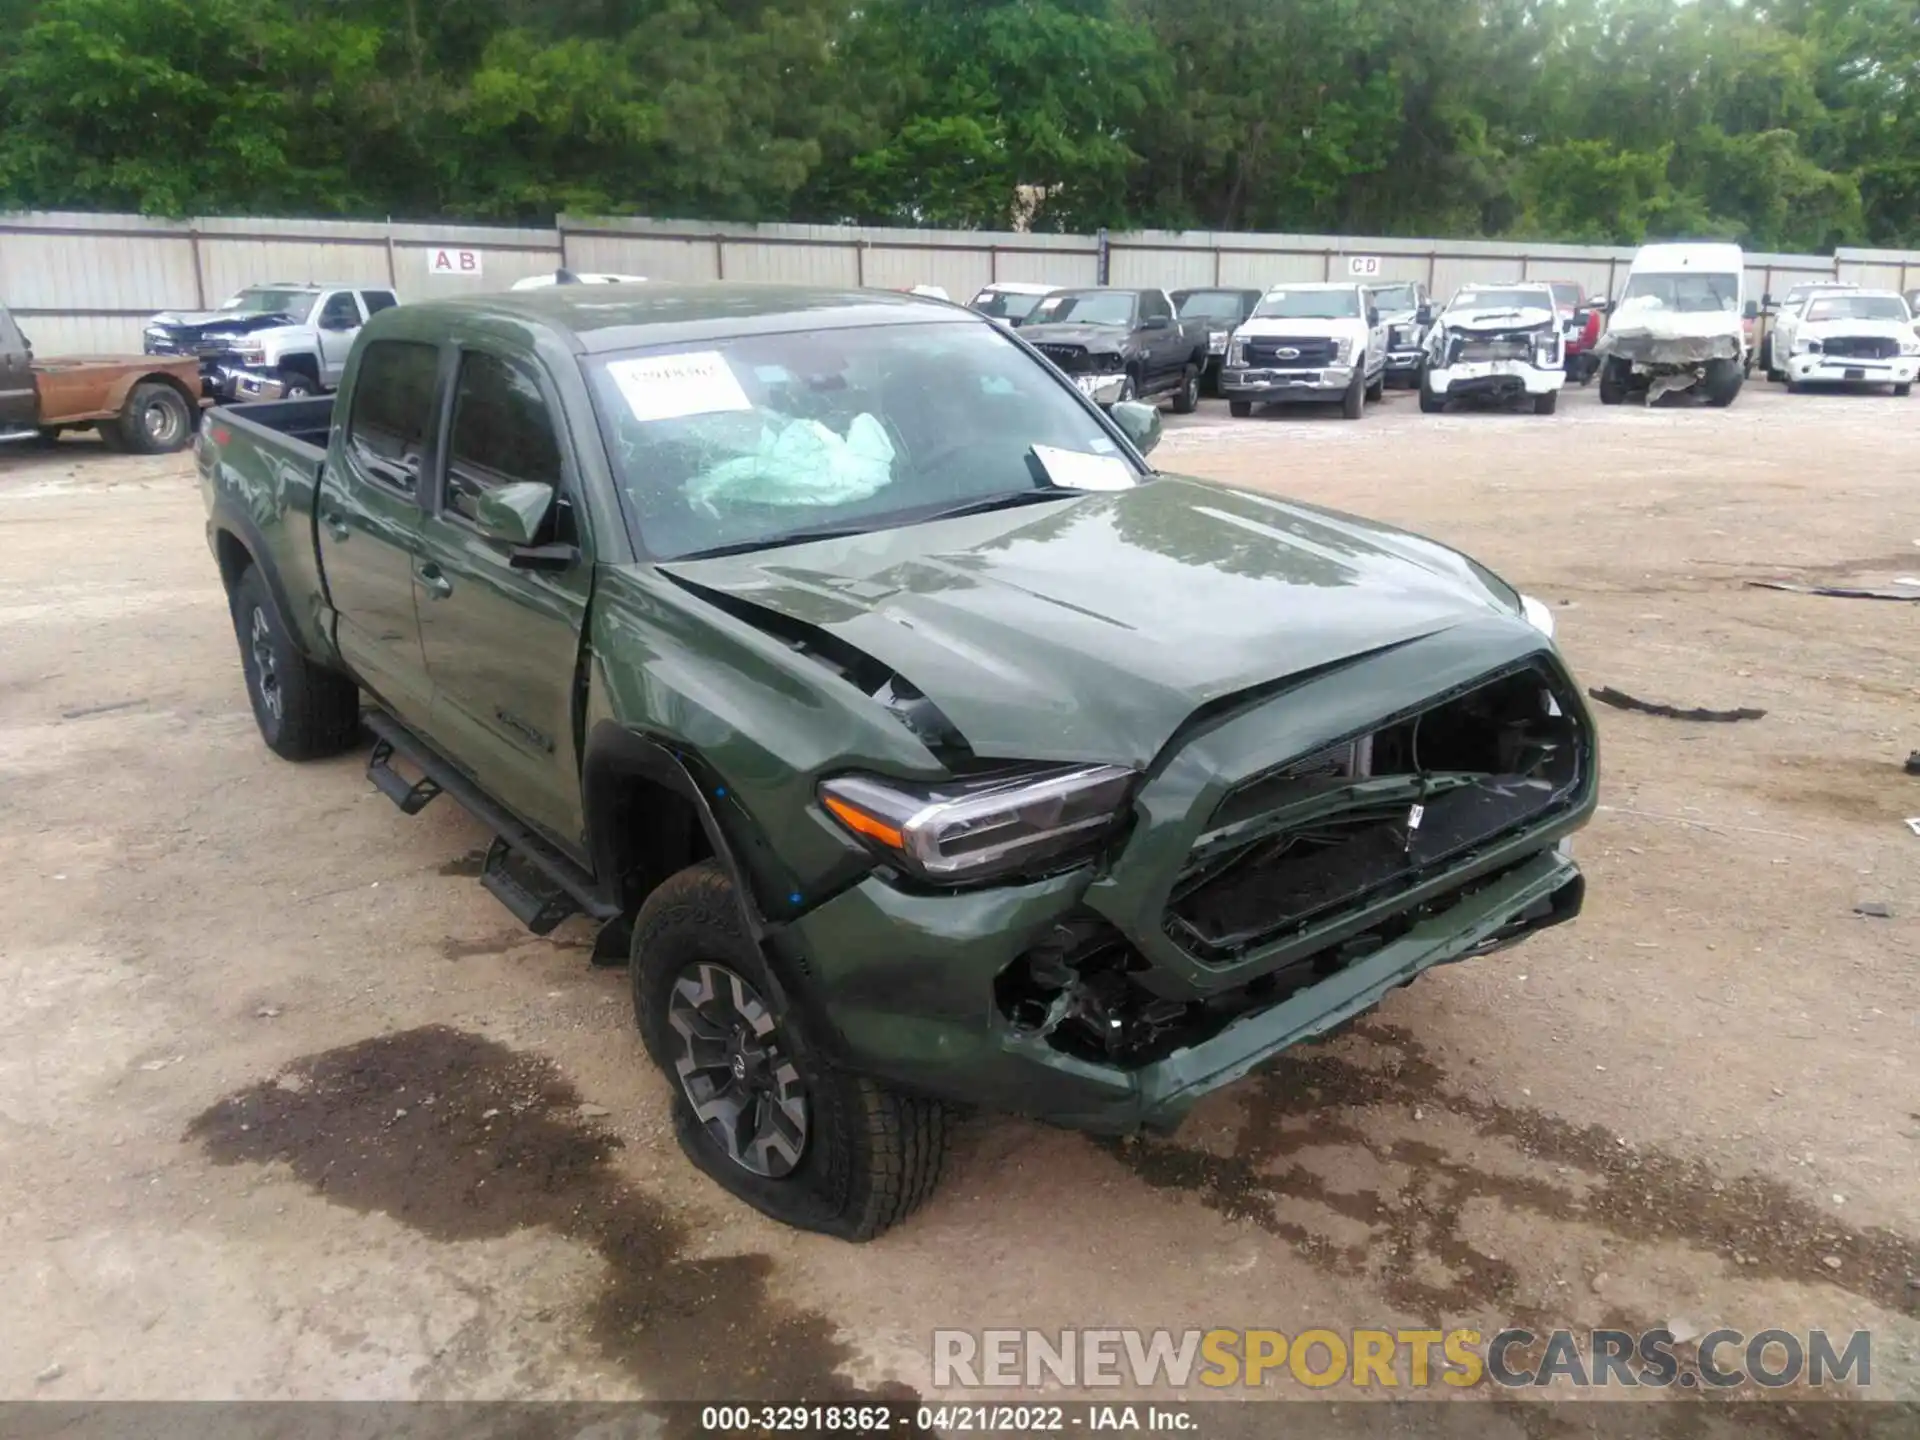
<point x="341" y="312"/>
<point x="392" y="409"/>
<point x="503" y="433"/>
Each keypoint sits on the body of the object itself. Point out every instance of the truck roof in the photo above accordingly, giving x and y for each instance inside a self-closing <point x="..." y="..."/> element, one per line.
<point x="598" y="318"/>
<point x="1718" y="257"/>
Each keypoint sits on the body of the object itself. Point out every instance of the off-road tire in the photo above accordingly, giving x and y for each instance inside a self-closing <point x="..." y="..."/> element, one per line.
<point x="1354" y="403"/>
<point x="296" y="384"/>
<point x="1722" y="382"/>
<point x="1129" y="389"/>
<point x="1613" y="385"/>
<point x="156" y="420"/>
<point x="1430" y="403"/>
<point x="1377" y="391"/>
<point x="318" y="712"/>
<point x="1547" y="403"/>
<point x="1186" y="399"/>
<point x="1900" y="392"/>
<point x="872" y="1155"/>
<point x="1240" y="409"/>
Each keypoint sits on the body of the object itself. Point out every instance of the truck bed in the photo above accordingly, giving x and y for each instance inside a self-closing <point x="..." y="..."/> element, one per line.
<point x="305" y="422"/>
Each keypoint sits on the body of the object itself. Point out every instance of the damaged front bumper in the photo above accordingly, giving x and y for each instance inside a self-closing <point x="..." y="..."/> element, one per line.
<point x="1494" y="379"/>
<point x="1101" y="389"/>
<point x="1212" y="940"/>
<point x="237" y="383"/>
<point x="1268" y="386"/>
<point x="1814" y="369"/>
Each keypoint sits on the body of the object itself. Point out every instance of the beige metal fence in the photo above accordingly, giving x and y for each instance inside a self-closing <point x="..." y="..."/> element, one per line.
<point x="83" y="282"/>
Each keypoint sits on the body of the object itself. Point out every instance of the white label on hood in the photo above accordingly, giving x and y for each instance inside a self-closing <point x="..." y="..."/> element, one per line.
<point x="1074" y="470"/>
<point x="667" y="387"/>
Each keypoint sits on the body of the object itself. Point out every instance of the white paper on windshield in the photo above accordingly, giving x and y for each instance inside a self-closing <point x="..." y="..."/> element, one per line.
<point x="667" y="387"/>
<point x="1073" y="470"/>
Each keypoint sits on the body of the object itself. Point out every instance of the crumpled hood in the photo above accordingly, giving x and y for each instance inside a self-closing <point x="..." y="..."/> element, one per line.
<point x="1645" y="315"/>
<point x="1095" y="337"/>
<point x="209" y="323"/>
<point x="1505" y="319"/>
<point x="1090" y="629"/>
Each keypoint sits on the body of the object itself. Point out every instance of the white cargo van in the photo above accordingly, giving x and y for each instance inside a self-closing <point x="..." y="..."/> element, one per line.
<point x="1677" y="324"/>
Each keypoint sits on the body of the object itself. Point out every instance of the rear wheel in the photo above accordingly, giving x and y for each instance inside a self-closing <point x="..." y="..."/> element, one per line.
<point x="1187" y="398"/>
<point x="756" y="1105"/>
<point x="1354" y="403"/>
<point x="155" y="420"/>
<point x="304" y="712"/>
<point x="1546" y="404"/>
<point x="1239" y="409"/>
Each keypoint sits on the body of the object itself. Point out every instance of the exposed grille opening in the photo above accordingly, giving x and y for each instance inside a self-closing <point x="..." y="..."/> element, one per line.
<point x="1861" y="347"/>
<point x="1070" y="358"/>
<point x="1079" y="989"/>
<point x="1477" y="349"/>
<point x="1378" y="813"/>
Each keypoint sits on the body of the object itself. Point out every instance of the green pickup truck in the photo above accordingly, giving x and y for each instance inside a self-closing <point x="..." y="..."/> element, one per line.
<point x="913" y="742"/>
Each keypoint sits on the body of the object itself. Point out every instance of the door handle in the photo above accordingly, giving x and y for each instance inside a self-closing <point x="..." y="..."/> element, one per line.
<point x="336" y="525"/>
<point x="435" y="580"/>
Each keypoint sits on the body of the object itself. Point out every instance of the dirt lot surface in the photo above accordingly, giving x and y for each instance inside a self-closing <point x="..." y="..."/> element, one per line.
<point x="290" y="1107"/>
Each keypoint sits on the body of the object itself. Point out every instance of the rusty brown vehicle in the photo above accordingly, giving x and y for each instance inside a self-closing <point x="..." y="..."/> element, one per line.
<point x="148" y="404"/>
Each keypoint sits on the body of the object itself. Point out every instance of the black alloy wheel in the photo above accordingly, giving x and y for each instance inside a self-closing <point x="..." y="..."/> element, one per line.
<point x="745" y="1093"/>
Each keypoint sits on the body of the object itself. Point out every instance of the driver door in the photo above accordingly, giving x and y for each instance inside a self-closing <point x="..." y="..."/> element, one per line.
<point x="19" y="405"/>
<point x="338" y="320"/>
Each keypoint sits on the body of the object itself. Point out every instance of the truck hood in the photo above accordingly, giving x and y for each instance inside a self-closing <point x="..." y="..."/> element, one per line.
<point x="1090" y="629"/>
<point x="1885" y="329"/>
<point x="1094" y="337"/>
<point x="1504" y="320"/>
<point x="1277" y="328"/>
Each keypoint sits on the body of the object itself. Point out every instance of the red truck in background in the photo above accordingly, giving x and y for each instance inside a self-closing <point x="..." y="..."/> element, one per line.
<point x="1580" y="326"/>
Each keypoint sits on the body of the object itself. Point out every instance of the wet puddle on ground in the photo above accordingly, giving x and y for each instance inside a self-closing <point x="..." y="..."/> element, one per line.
<point x="461" y="1138"/>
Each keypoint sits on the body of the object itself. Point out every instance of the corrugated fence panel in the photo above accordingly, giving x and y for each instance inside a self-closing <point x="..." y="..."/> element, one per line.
<point x="85" y="281"/>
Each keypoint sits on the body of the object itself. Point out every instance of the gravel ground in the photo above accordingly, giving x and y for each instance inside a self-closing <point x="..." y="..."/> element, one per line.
<point x="289" y="1107"/>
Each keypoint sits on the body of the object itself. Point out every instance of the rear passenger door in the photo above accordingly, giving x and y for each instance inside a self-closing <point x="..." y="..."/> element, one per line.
<point x="502" y="626"/>
<point x="338" y="320"/>
<point x="369" y="522"/>
<point x="1164" y="348"/>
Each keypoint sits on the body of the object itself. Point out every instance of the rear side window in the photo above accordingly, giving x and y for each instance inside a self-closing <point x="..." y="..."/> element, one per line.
<point x="341" y="312"/>
<point x="377" y="300"/>
<point x="392" y="409"/>
<point x="503" y="433"/>
<point x="1154" y="305"/>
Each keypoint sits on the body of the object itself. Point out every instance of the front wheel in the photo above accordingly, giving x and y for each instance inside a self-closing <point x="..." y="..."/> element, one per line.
<point x="1547" y="403"/>
<point x="297" y="385"/>
<point x="1430" y="403"/>
<point x="755" y="1103"/>
<point x="1129" y="389"/>
<point x="1900" y="392"/>
<point x="1239" y="409"/>
<point x="304" y="712"/>
<point x="1354" y="403"/>
<point x="1187" y="398"/>
<point x="1723" y="381"/>
<point x="1377" y="391"/>
<point x="1613" y="380"/>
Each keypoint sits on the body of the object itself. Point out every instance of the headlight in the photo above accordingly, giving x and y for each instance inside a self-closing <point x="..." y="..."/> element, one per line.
<point x="252" y="353"/>
<point x="1803" y="346"/>
<point x="1546" y="350"/>
<point x="961" y="830"/>
<point x="1216" y="342"/>
<point x="1236" y="352"/>
<point x="1537" y="615"/>
<point x="1403" y="335"/>
<point x="1106" y="365"/>
<point x="1342" y="351"/>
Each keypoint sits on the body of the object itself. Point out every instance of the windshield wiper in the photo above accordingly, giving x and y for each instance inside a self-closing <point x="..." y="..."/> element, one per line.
<point x="776" y="542"/>
<point x="1005" y="501"/>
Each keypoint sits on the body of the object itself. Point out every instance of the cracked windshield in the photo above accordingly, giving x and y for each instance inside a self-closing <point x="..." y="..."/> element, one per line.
<point x="771" y="439"/>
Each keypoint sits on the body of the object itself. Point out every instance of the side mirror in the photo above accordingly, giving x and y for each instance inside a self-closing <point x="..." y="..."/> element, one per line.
<point x="1424" y="315"/>
<point x="1767" y="302"/>
<point x="513" y="513"/>
<point x="1140" y="423"/>
<point x="1373" y="317"/>
<point x="1750" y="312"/>
<point x="1156" y="322"/>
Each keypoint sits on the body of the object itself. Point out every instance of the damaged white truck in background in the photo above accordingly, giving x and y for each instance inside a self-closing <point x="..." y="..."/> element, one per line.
<point x="1678" y="325"/>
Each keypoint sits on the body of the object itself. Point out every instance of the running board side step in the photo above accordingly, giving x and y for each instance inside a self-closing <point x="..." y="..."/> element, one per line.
<point x="534" y="880"/>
